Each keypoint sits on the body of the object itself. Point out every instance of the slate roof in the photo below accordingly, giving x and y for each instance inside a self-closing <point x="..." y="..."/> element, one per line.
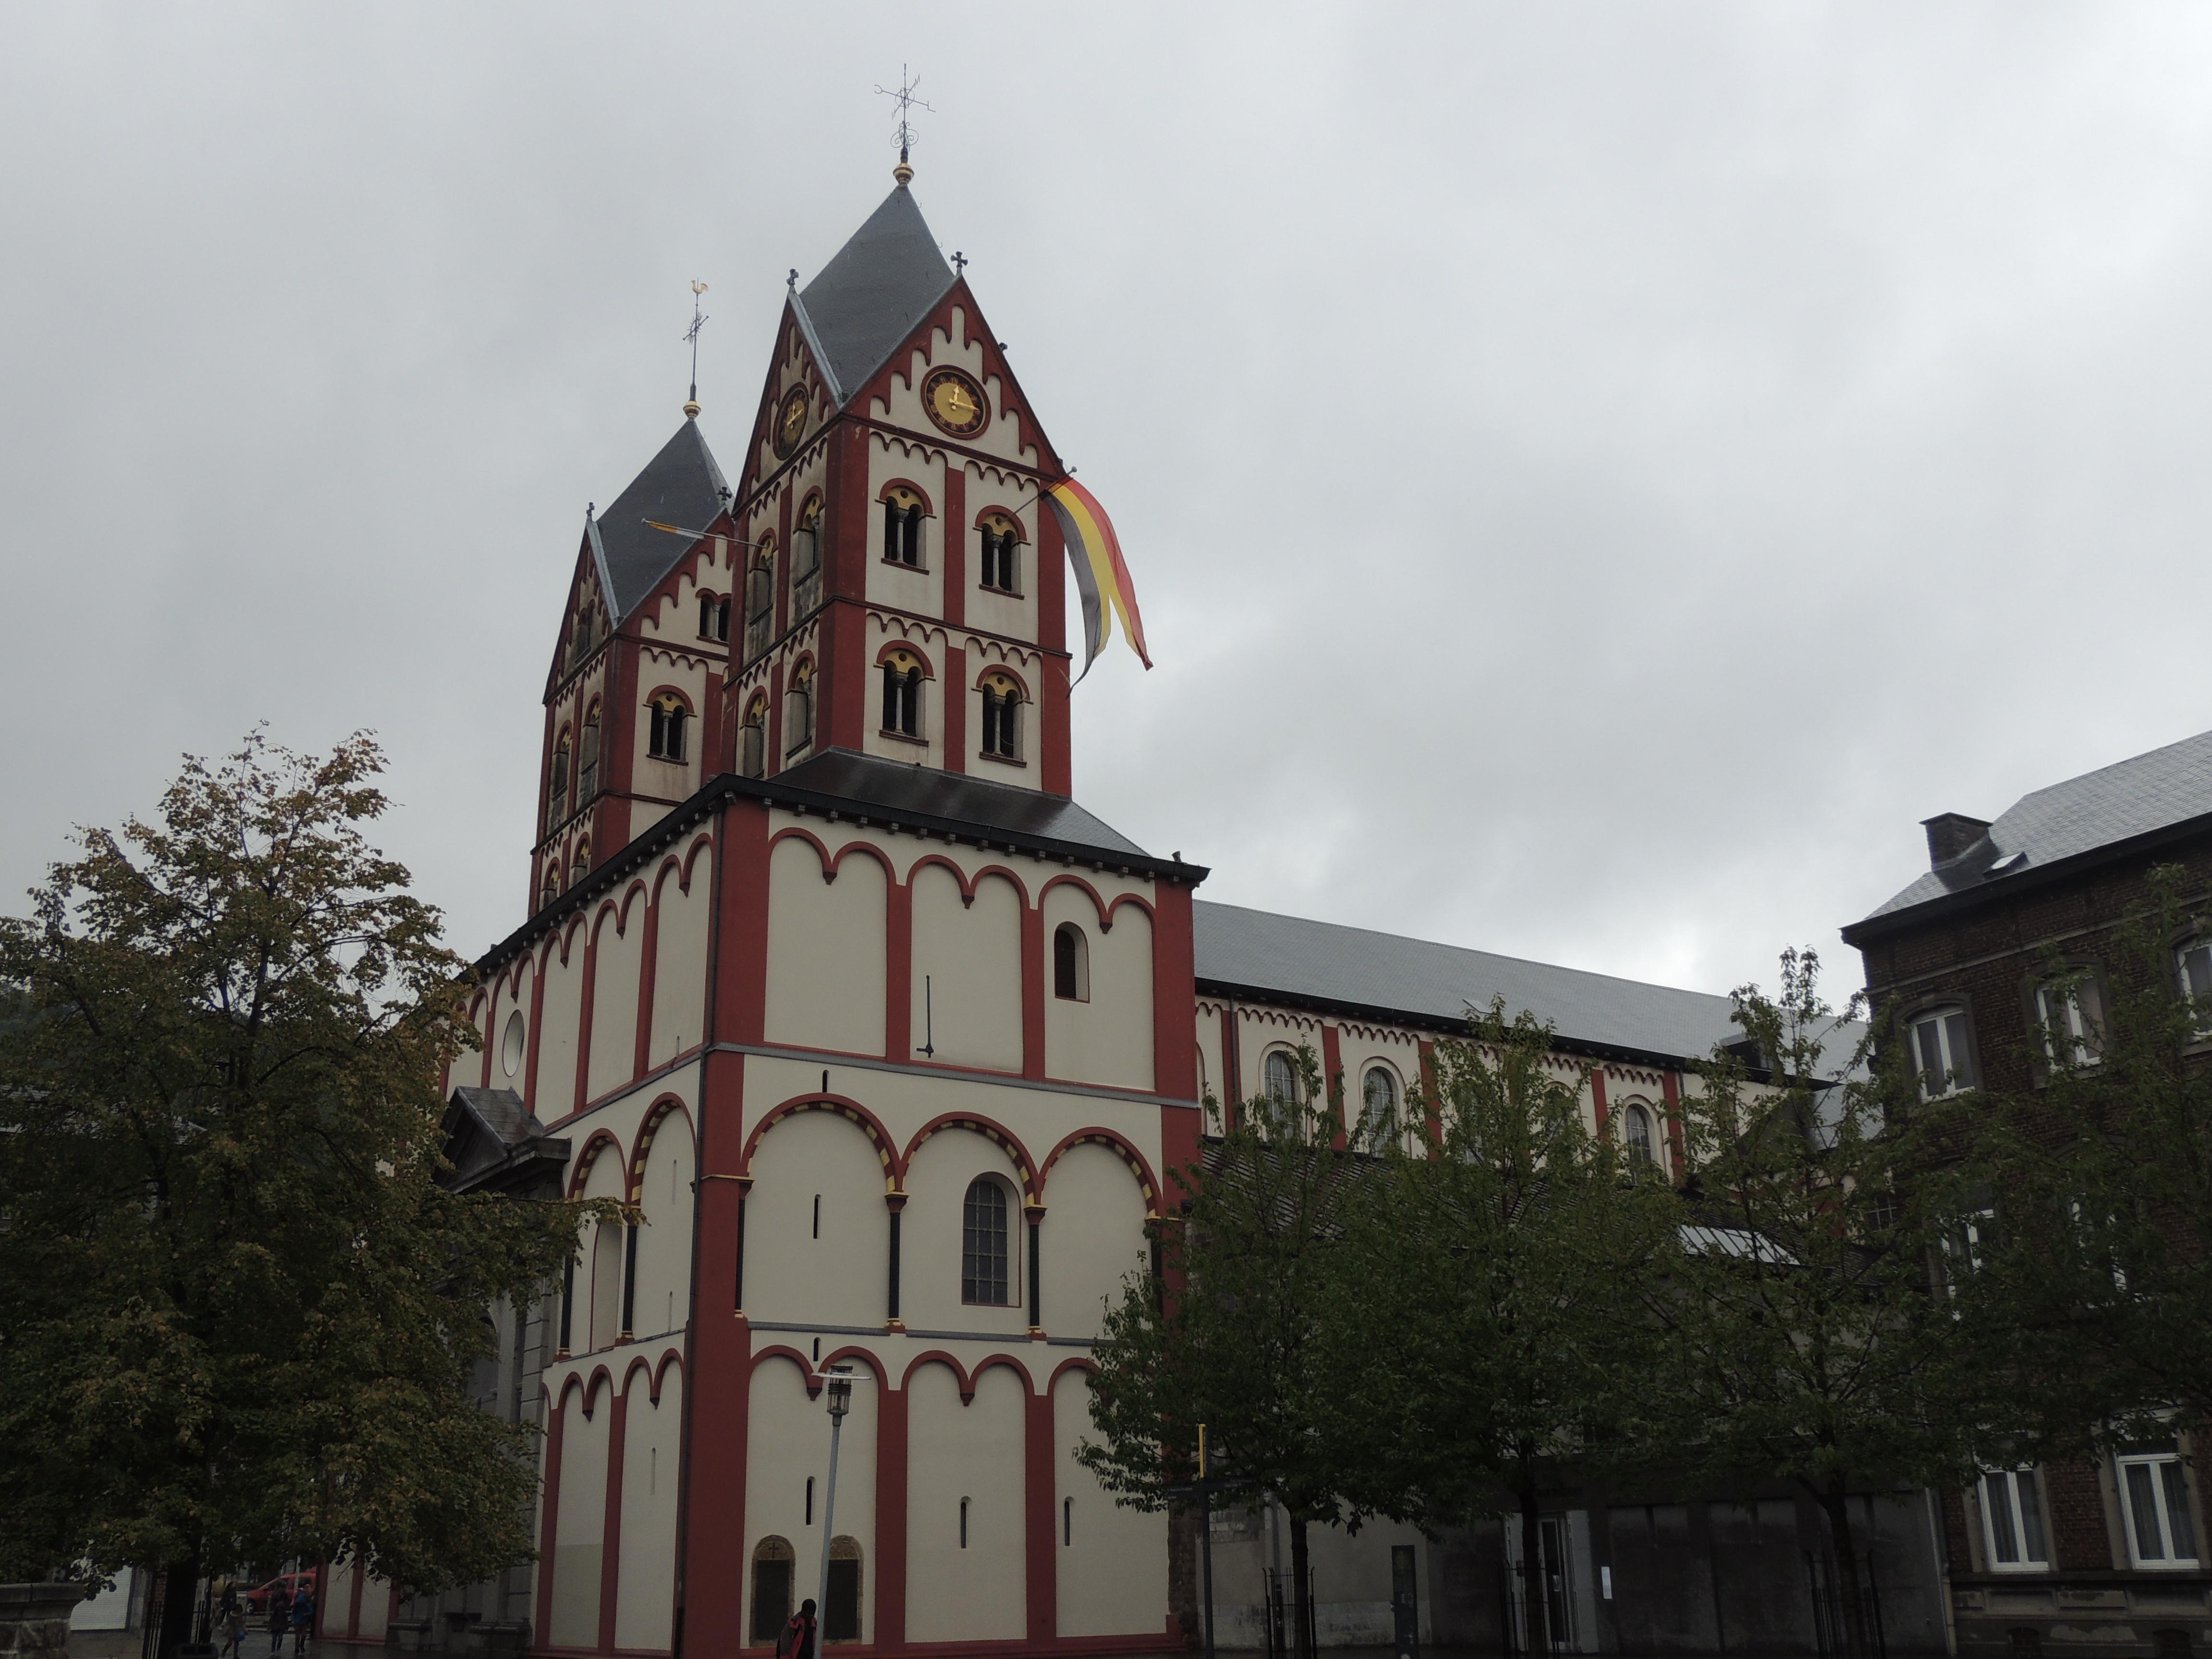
<point x="873" y="294"/>
<point x="922" y="792"/>
<point x="681" y="485"/>
<point x="492" y="1137"/>
<point x="1299" y="961"/>
<point x="2135" y="797"/>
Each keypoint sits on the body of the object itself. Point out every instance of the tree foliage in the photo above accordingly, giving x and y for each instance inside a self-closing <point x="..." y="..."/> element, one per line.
<point x="238" y="1313"/>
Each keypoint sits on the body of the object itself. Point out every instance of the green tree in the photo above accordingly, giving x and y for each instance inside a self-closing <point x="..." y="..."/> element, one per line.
<point x="1806" y="1342"/>
<point x="2089" y="1195"/>
<point x="1233" y="1329"/>
<point x="239" y="1312"/>
<point x="1494" y="1292"/>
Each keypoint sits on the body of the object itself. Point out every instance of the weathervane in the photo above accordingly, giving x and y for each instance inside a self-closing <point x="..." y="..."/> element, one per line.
<point x="691" y="338"/>
<point x="908" y="103"/>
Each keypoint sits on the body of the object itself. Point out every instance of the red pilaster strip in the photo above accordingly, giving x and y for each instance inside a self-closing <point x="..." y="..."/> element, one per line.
<point x="548" y="1525"/>
<point x="611" y="1528"/>
<point x="1434" y="1121"/>
<point x="956" y="708"/>
<point x="584" y="1016"/>
<point x="1037" y="1495"/>
<point x="717" y="1383"/>
<point x="956" y="543"/>
<point x="1333" y="1099"/>
<point x="1033" y="990"/>
<point x="898" y="972"/>
<point x="485" y="1035"/>
<point x="648" y="971"/>
<point x="1059" y="770"/>
<point x="1175" y="994"/>
<point x="1670" y="1084"/>
<point x="1597" y="1096"/>
<point x="741" y="931"/>
<point x="844" y="649"/>
<point x="891" y="1518"/>
<point x="772" y="762"/>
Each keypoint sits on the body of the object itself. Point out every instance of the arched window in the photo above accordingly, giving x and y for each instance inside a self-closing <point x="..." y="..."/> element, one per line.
<point x="2194" y="960"/>
<point x="722" y="620"/>
<point x="798" y="710"/>
<point x="983" y="1256"/>
<point x="1281" y="1073"/>
<point x="669" y="715"/>
<point x="902" y="517"/>
<point x="556" y="782"/>
<point x="760" y="598"/>
<point x="714" y="617"/>
<point x="1070" y="964"/>
<point x="1635" y="1135"/>
<point x="1002" y="711"/>
<point x="587" y="763"/>
<point x="903" y="678"/>
<point x="2070" y="1013"/>
<point x="552" y="882"/>
<point x="752" y="741"/>
<point x="806" y="560"/>
<point x="840" y="1618"/>
<point x="1940" y="1052"/>
<point x="1378" y="1102"/>
<point x="773" y="1560"/>
<point x="1002" y="548"/>
<point x="579" y="862"/>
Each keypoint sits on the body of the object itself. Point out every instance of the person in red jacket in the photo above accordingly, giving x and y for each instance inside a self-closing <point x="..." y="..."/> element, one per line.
<point x="796" y="1641"/>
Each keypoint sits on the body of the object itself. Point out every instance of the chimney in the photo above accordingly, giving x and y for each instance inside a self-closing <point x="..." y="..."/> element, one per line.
<point x="1950" y="834"/>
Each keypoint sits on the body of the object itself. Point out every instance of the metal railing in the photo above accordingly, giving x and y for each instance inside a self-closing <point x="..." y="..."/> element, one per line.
<point x="1831" y="1601"/>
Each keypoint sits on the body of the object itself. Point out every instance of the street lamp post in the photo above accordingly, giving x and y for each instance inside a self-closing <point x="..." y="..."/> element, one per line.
<point x="840" y="1392"/>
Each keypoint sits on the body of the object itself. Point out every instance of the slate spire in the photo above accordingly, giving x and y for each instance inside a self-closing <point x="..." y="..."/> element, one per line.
<point x="872" y="295"/>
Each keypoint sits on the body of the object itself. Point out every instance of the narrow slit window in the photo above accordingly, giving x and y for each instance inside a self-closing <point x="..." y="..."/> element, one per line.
<point x="1070" y="964"/>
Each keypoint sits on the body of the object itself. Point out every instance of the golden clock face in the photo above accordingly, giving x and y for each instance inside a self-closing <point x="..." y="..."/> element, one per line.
<point x="955" y="403"/>
<point x="790" y="422"/>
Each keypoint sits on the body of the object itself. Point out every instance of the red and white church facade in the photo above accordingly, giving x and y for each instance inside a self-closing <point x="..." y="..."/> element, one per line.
<point x="891" y="1047"/>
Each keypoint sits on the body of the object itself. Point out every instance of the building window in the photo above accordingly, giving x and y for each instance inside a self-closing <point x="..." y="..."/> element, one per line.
<point x="903" y="678"/>
<point x="579" y="862"/>
<point x="983" y="1275"/>
<point x="1067" y="1521"/>
<point x="1940" y="1052"/>
<point x="807" y="561"/>
<point x="773" y="1560"/>
<point x="808" y="1519"/>
<point x="2194" y="959"/>
<point x="669" y="715"/>
<point x="1002" y="708"/>
<point x="2068" y="1013"/>
<point x="2012" y="1521"/>
<point x="902" y="517"/>
<point x="714" y="617"/>
<point x="556" y="784"/>
<point x="1002" y="546"/>
<point x="1070" y="964"/>
<point x="964" y="1523"/>
<point x="752" y="740"/>
<point x="1635" y="1135"/>
<point x="760" y="599"/>
<point x="840" y="1618"/>
<point x="798" y="710"/>
<point x="2155" y="1494"/>
<point x="1378" y="1102"/>
<point x="587" y="767"/>
<point x="1281" y="1073"/>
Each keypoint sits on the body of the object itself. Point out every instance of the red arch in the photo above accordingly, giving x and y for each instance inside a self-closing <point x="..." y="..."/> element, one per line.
<point x="1098" y="900"/>
<point x="1080" y="1362"/>
<point x="655" y="1115"/>
<point x="990" y="668"/>
<point x="1139" y="1165"/>
<point x="928" y="668"/>
<point x="845" y="1107"/>
<point x="599" y="1374"/>
<point x="830" y="864"/>
<point x="642" y="1364"/>
<point x="805" y="1365"/>
<point x="675" y="691"/>
<point x="928" y="507"/>
<point x="1029" y="1382"/>
<point x="991" y="1130"/>
<point x="1008" y="514"/>
<point x="701" y="845"/>
<point x="581" y="1171"/>
<point x="849" y="1352"/>
<point x="673" y="1358"/>
<point x="939" y="1357"/>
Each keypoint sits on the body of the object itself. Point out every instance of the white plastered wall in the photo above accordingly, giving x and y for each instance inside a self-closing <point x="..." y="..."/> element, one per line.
<point x="663" y="1297"/>
<point x="1093" y="1235"/>
<point x="1108" y="1038"/>
<point x="968" y="970"/>
<point x="788" y="1441"/>
<point x="559" y="1022"/>
<point x="825" y="951"/>
<point x="615" y="981"/>
<point x="1010" y="615"/>
<point x="1112" y="1578"/>
<point x="975" y="1452"/>
<point x="921" y="592"/>
<point x="598" y="1317"/>
<point x="645" y="1597"/>
<point x="1007" y="434"/>
<point x="579" y="1523"/>
<point x="838" y="1277"/>
<point x="931" y="1231"/>
<point x="928" y="642"/>
<point x="679" y="976"/>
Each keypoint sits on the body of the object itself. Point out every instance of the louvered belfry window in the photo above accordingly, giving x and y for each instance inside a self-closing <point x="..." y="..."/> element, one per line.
<point x="983" y="1275"/>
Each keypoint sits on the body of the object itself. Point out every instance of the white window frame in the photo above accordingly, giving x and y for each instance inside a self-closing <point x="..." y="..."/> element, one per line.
<point x="1949" y="1022"/>
<point x="2161" y="1491"/>
<point x="2199" y="1001"/>
<point x="2065" y="1005"/>
<point x="1395" y="1109"/>
<point x="2001" y="1490"/>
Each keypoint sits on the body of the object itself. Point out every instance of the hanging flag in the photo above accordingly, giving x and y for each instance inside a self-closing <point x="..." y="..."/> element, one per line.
<point x="1100" y="575"/>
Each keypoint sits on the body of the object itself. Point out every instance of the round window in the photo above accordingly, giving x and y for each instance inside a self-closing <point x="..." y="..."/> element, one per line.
<point x="510" y="1046"/>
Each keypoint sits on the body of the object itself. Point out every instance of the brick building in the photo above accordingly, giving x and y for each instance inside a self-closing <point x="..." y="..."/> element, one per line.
<point x="2109" y="1557"/>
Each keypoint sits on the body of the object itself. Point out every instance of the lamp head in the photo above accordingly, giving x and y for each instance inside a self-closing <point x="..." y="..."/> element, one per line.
<point x="840" y="1392"/>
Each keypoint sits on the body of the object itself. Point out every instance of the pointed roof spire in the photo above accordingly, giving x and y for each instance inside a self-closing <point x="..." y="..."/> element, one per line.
<point x="872" y="295"/>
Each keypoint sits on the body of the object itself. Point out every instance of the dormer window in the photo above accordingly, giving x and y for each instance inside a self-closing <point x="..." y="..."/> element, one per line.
<point x="903" y="513"/>
<point x="669" y="716"/>
<point x="1002" y="708"/>
<point x="903" y="678"/>
<point x="1002" y="547"/>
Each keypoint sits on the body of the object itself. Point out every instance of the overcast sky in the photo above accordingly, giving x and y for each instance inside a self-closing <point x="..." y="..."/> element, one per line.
<point x="1595" y="476"/>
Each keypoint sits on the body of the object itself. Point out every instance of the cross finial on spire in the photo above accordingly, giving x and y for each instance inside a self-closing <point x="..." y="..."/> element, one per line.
<point x="691" y="337"/>
<point x="908" y="103"/>
<point x="959" y="262"/>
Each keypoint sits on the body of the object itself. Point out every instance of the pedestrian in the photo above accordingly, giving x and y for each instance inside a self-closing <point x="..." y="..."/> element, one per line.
<point x="303" y="1619"/>
<point x="797" y="1641"/>
<point x="233" y="1629"/>
<point x="280" y="1614"/>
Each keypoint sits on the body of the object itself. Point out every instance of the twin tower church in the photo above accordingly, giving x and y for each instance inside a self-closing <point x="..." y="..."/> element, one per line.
<point x="889" y="1045"/>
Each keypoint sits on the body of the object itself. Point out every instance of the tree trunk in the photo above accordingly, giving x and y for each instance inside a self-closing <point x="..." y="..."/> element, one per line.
<point x="1301" y="1590"/>
<point x="1535" y="1602"/>
<point x="181" y="1583"/>
<point x="1856" y="1643"/>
